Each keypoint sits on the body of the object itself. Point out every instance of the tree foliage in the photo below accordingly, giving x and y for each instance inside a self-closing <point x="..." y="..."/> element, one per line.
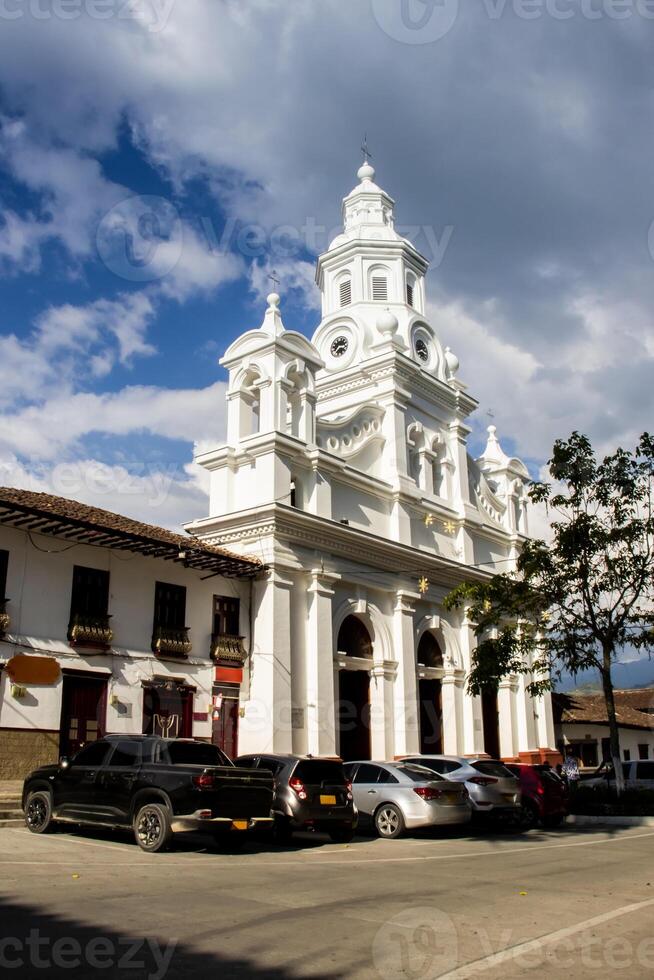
<point x="580" y="600"/>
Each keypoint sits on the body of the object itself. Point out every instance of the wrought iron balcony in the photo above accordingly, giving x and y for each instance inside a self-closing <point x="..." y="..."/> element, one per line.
<point x="228" y="648"/>
<point x="172" y="640"/>
<point x="90" y="631"/>
<point x="4" y="617"/>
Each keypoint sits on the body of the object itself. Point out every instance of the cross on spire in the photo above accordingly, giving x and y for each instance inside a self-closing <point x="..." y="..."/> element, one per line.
<point x="274" y="278"/>
<point x="367" y="155"/>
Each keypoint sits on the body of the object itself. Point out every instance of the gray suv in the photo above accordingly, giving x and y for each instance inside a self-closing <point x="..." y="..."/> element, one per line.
<point x="310" y="794"/>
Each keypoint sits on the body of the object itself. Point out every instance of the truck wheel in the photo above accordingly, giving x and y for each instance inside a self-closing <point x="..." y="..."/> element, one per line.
<point x="153" y="827"/>
<point x="38" y="812"/>
<point x="389" y="821"/>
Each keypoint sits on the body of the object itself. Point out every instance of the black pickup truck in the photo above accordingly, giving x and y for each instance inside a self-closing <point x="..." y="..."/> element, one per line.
<point x="155" y="785"/>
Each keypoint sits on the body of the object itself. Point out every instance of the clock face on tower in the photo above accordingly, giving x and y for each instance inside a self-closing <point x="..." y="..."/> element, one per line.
<point x="339" y="346"/>
<point x="422" y="350"/>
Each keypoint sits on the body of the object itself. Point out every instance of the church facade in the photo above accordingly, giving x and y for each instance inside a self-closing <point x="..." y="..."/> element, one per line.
<point x="346" y="472"/>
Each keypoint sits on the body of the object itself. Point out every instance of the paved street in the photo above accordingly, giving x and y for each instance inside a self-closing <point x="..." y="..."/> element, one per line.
<point x="555" y="904"/>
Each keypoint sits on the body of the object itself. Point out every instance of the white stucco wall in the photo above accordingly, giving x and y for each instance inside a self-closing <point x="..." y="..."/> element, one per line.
<point x="39" y="589"/>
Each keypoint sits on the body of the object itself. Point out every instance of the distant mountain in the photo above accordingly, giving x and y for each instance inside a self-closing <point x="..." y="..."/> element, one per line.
<point x="635" y="673"/>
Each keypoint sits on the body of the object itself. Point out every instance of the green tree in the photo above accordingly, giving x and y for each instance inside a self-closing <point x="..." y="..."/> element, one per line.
<point x="578" y="601"/>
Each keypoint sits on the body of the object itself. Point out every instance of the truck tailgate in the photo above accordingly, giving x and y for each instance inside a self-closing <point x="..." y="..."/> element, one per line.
<point x="237" y="793"/>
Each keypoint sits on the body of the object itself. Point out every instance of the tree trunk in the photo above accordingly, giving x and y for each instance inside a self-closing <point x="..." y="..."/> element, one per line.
<point x="614" y="731"/>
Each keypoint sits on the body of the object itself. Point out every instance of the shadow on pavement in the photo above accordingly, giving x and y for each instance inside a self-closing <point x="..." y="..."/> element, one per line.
<point x="36" y="944"/>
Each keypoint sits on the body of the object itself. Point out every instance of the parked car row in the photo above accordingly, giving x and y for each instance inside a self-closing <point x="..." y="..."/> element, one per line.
<point x="156" y="786"/>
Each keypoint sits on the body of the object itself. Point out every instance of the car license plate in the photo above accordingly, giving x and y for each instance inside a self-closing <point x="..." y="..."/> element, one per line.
<point x="451" y="797"/>
<point x="509" y="797"/>
<point x="239" y="824"/>
<point x="328" y="800"/>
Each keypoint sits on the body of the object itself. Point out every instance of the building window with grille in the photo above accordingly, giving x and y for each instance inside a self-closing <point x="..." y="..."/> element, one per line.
<point x="226" y="615"/>
<point x="4" y="566"/>
<point x="4" y="615"/>
<point x="226" y="643"/>
<point x="89" y="622"/>
<point x="170" y="635"/>
<point x="345" y="292"/>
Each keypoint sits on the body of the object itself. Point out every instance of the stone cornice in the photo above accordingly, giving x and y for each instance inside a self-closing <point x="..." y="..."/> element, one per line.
<point x="329" y="537"/>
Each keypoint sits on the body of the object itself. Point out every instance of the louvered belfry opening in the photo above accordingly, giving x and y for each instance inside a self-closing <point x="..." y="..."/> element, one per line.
<point x="379" y="288"/>
<point x="409" y="293"/>
<point x="345" y="292"/>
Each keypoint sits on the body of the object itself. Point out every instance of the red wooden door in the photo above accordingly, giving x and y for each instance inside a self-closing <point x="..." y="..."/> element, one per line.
<point x="83" y="712"/>
<point x="224" y="731"/>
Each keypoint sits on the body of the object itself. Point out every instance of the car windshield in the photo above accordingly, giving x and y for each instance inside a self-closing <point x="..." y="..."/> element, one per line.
<point x="496" y="769"/>
<point x="196" y="754"/>
<point x="419" y="774"/>
<point x="318" y="771"/>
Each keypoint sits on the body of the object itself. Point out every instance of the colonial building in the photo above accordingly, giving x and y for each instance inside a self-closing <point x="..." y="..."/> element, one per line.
<point x="346" y="473"/>
<point x="110" y="625"/>
<point x="582" y="727"/>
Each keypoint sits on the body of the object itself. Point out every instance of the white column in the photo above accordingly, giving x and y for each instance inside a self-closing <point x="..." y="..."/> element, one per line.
<point x="267" y="722"/>
<point x="505" y="696"/>
<point x="472" y="723"/>
<point x="382" y="677"/>
<point x="407" y="723"/>
<point x="545" y="722"/>
<point x="452" y="702"/>
<point x="526" y="721"/>
<point x="320" y="720"/>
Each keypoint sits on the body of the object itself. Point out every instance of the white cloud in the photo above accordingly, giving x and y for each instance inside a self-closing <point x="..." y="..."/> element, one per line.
<point x="47" y="430"/>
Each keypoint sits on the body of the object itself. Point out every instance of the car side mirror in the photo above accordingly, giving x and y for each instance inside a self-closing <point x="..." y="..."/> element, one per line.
<point x="64" y="762"/>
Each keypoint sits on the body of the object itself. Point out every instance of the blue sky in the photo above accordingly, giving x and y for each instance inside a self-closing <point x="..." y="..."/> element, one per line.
<point x="157" y="162"/>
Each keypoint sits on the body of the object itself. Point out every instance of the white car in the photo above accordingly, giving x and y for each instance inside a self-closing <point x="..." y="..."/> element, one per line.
<point x="637" y="775"/>
<point x="399" y="796"/>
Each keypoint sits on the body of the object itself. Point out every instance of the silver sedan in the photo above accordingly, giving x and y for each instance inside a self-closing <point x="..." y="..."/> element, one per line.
<point x="493" y="788"/>
<point x="399" y="796"/>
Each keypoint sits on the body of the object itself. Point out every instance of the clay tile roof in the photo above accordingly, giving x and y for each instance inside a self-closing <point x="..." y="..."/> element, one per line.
<point x="44" y="513"/>
<point x="577" y="708"/>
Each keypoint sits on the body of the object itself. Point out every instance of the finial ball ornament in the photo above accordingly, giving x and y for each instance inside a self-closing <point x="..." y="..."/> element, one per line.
<point x="387" y="323"/>
<point x="452" y="362"/>
<point x="273" y="299"/>
<point x="366" y="172"/>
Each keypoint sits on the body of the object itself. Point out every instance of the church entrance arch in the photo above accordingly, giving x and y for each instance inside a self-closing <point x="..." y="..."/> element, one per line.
<point x="430" y="702"/>
<point x="353" y="706"/>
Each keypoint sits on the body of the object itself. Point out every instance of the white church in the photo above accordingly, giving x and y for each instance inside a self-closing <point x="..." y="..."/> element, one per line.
<point x="346" y="473"/>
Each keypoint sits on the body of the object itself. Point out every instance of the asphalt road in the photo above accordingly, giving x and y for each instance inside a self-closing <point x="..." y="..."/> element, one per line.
<point x="568" y="903"/>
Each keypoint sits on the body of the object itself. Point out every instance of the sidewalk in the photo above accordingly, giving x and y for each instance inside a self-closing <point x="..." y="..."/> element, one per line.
<point x="11" y="789"/>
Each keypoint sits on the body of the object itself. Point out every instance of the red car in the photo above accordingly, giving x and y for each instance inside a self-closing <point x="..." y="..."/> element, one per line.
<point x="544" y="795"/>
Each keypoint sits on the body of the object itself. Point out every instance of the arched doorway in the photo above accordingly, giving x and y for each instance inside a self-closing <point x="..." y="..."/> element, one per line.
<point x="430" y="704"/>
<point x="353" y="707"/>
<point x="491" y="722"/>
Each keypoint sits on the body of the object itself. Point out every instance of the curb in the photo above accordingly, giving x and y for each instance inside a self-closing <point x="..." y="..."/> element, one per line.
<point x="580" y="820"/>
